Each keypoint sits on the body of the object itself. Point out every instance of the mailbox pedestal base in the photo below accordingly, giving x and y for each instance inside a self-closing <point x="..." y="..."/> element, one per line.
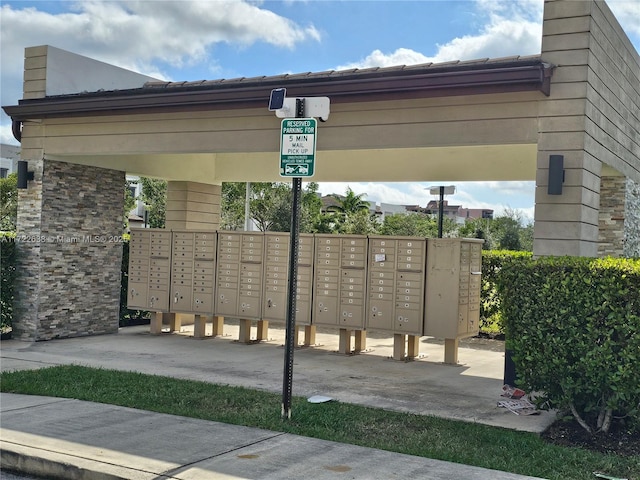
<point x="412" y="344"/>
<point x="451" y="350"/>
<point x="344" y="343"/>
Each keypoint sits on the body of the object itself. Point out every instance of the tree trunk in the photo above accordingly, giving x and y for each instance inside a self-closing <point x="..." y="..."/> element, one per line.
<point x="579" y="419"/>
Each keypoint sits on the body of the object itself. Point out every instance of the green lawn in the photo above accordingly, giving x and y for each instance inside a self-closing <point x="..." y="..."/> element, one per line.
<point x="462" y="442"/>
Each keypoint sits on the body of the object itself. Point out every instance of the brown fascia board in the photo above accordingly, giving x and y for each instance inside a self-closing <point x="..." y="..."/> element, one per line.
<point x="389" y="84"/>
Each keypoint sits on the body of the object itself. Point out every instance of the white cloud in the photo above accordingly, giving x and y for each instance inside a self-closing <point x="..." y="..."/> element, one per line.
<point x="509" y="27"/>
<point x="628" y="14"/>
<point x="402" y="56"/>
<point x="141" y="35"/>
<point x="6" y="135"/>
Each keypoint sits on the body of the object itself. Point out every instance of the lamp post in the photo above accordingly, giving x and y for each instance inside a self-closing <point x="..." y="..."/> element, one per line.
<point x="441" y="190"/>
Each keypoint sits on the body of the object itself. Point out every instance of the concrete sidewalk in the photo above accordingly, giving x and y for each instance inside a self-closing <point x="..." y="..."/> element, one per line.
<point x="72" y="439"/>
<point x="125" y="443"/>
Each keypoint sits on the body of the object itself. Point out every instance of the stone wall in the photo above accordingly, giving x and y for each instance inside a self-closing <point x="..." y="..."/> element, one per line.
<point x="611" y="216"/>
<point x="619" y="218"/>
<point x="632" y="220"/>
<point x="69" y="234"/>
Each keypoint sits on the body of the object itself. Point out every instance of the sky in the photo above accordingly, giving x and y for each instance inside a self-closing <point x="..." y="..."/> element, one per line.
<point x="185" y="40"/>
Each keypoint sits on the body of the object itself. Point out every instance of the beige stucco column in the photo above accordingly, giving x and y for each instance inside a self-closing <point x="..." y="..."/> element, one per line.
<point x="586" y="119"/>
<point x="190" y="206"/>
<point x="193" y="206"/>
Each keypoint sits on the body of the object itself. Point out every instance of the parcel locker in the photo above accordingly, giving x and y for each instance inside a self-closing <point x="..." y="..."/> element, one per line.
<point x="339" y="280"/>
<point x="150" y="272"/>
<point x="395" y="289"/>
<point x="276" y="277"/>
<point x="454" y="268"/>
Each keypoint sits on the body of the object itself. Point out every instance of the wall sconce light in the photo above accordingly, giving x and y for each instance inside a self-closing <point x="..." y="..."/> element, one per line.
<point x="23" y="174"/>
<point x="556" y="174"/>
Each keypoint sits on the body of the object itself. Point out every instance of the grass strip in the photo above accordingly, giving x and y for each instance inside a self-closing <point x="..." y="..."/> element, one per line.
<point x="454" y="441"/>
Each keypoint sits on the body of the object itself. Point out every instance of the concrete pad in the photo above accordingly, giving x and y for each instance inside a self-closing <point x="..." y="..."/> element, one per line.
<point x="468" y="391"/>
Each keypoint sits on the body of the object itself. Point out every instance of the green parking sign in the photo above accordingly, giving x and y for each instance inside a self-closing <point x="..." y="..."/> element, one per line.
<point x="298" y="147"/>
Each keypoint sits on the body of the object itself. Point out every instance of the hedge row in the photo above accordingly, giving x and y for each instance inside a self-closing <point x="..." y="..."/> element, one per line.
<point x="7" y="278"/>
<point x="573" y="325"/>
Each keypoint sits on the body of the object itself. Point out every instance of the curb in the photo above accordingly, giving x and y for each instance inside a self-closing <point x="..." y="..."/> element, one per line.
<point x="56" y="466"/>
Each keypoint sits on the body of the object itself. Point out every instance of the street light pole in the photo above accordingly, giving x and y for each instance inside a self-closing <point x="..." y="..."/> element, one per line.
<point x="440" y="211"/>
<point x="441" y="190"/>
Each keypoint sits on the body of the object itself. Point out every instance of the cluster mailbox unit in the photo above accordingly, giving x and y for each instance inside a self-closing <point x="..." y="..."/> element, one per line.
<point x="340" y="286"/>
<point x="407" y="286"/>
<point x="149" y="270"/>
<point x="452" y="296"/>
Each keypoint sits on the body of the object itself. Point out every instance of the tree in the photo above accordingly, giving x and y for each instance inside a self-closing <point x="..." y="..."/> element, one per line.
<point x="129" y="202"/>
<point x="506" y="229"/>
<point x="351" y="214"/>
<point x="350" y="204"/>
<point x="477" y="228"/>
<point x="9" y="202"/>
<point x="411" y="224"/>
<point x="269" y="206"/>
<point x="232" y="205"/>
<point x="154" y="196"/>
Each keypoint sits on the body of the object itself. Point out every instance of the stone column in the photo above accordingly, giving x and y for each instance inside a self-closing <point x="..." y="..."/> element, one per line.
<point x="612" y="216"/>
<point x="632" y="220"/>
<point x="70" y="224"/>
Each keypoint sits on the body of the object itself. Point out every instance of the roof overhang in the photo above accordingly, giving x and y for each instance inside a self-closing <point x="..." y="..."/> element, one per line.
<point x="420" y="81"/>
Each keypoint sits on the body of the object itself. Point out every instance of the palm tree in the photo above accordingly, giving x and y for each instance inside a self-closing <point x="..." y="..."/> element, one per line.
<point x="350" y="204"/>
<point x="353" y="213"/>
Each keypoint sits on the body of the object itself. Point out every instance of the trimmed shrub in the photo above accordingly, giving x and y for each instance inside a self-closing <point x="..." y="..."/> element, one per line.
<point x="492" y="261"/>
<point x="573" y="325"/>
<point x="7" y="277"/>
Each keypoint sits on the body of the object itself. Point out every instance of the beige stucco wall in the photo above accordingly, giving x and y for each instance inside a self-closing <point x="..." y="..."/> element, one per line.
<point x="482" y="137"/>
<point x="588" y="119"/>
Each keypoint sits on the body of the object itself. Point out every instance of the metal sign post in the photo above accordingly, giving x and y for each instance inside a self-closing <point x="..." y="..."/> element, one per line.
<point x="297" y="158"/>
<point x="290" y="335"/>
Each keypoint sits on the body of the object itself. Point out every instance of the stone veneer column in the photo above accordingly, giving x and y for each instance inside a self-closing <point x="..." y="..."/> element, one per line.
<point x="632" y="220"/>
<point x="193" y="206"/>
<point x="69" y="249"/>
<point x="611" y="236"/>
